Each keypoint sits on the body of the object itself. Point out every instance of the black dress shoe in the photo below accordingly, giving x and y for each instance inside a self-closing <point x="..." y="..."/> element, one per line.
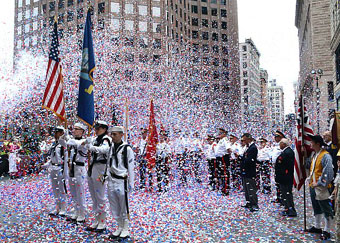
<point x="325" y="235"/>
<point x="284" y="213"/>
<point x="314" y="230"/>
<point x="113" y="237"/>
<point x="100" y="230"/>
<point x="88" y="228"/>
<point x="248" y="205"/>
<point x="291" y="212"/>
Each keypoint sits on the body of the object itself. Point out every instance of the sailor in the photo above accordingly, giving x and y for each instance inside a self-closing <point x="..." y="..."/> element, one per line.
<point x="77" y="158"/>
<point x="57" y="167"/>
<point x="162" y="162"/>
<point x="99" y="147"/>
<point x="120" y="181"/>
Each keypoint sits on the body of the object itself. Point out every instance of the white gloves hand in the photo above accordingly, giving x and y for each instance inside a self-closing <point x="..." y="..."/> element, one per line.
<point x="89" y="140"/>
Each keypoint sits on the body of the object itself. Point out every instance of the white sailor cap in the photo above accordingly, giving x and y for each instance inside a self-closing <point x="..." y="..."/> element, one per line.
<point x="102" y="124"/>
<point x="80" y="125"/>
<point x="59" y="129"/>
<point x="116" y="129"/>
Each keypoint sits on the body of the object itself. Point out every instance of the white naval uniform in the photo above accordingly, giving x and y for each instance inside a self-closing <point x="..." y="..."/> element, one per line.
<point x="78" y="156"/>
<point x="118" y="187"/>
<point x="222" y="147"/>
<point x="116" y="192"/>
<point x="264" y="153"/>
<point x="275" y="153"/>
<point x="100" y="148"/>
<point x="235" y="149"/>
<point x="58" y="173"/>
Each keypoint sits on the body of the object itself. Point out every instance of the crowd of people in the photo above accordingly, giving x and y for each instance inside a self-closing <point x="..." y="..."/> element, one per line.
<point x="222" y="162"/>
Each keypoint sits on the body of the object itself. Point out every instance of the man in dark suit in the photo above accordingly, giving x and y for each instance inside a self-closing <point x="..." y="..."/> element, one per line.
<point x="248" y="172"/>
<point x="284" y="175"/>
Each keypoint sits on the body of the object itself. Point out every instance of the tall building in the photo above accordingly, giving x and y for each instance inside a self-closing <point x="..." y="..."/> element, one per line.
<point x="265" y="120"/>
<point x="312" y="19"/>
<point x="154" y="31"/>
<point x="276" y="105"/>
<point x="335" y="48"/>
<point x="250" y="82"/>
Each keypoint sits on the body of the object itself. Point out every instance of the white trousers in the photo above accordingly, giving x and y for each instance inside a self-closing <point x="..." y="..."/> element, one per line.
<point x="57" y="182"/>
<point x="97" y="188"/>
<point x="116" y="196"/>
<point x="77" y="188"/>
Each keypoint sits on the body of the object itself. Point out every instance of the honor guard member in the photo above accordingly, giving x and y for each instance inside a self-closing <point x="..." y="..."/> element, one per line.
<point x="162" y="162"/>
<point x="57" y="167"/>
<point x="195" y="152"/>
<point x="223" y="161"/>
<point x="142" y="160"/>
<point x="211" y="158"/>
<point x="120" y="182"/>
<point x="276" y="151"/>
<point x="263" y="158"/>
<point x="99" y="148"/>
<point x="234" y="152"/>
<point x="77" y="158"/>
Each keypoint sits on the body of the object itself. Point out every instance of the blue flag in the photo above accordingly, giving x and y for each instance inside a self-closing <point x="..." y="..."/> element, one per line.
<point x="85" y="99"/>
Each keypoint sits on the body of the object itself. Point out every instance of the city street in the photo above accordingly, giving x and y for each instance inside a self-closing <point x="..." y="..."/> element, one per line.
<point x="191" y="214"/>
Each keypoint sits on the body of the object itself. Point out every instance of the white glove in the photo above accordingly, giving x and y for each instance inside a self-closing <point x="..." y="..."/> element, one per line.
<point x="45" y="165"/>
<point x="89" y="140"/>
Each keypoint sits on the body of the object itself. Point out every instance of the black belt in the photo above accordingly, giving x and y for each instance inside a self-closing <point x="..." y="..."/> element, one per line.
<point x="89" y="172"/>
<point x="117" y="176"/>
<point x="79" y="163"/>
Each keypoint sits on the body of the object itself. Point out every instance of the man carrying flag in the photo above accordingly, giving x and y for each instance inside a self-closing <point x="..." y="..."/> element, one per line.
<point x="53" y="100"/>
<point x="85" y="100"/>
<point x="151" y="142"/>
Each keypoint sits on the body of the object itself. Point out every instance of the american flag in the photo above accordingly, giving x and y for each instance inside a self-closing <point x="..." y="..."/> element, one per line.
<point x="303" y="128"/>
<point x="54" y="95"/>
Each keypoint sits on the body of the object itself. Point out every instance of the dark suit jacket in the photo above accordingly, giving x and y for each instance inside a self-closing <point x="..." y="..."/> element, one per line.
<point x="284" y="167"/>
<point x="248" y="163"/>
<point x="333" y="150"/>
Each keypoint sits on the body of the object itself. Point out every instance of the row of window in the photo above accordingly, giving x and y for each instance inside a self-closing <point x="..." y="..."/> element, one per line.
<point x="204" y="11"/>
<point x="129" y="9"/>
<point x="205" y="36"/>
<point x="205" y="23"/>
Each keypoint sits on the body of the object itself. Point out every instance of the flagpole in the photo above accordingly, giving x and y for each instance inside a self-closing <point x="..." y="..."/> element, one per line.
<point x="303" y="161"/>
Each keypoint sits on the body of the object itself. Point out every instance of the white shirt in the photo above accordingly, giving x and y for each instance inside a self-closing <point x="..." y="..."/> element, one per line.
<point x="163" y="150"/>
<point x="142" y="147"/>
<point x="210" y="151"/>
<point x="235" y="148"/>
<point x="73" y="144"/>
<point x="263" y="153"/>
<point x="119" y="169"/>
<point x="222" y="147"/>
<point x="275" y="152"/>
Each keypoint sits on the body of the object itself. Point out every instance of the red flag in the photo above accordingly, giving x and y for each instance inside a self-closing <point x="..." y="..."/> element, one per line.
<point x="54" y="95"/>
<point x="303" y="129"/>
<point x="152" y="139"/>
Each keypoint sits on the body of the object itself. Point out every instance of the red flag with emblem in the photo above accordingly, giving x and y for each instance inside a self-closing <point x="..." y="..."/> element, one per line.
<point x="152" y="139"/>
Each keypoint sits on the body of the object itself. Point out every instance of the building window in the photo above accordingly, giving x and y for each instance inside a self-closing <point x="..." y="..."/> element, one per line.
<point x="245" y="74"/>
<point x="216" y="62"/>
<point x="244" y="65"/>
<point x="194" y="21"/>
<point x="337" y="64"/>
<point x="143" y="26"/>
<point x="35" y="25"/>
<point x="224" y="25"/>
<point x="205" y="35"/>
<point x="28" y="2"/>
<point x="143" y="10"/>
<point x="214" y="36"/>
<point x="214" y="11"/>
<point x="115" y="8"/>
<point x="245" y="82"/>
<point x="204" y="10"/>
<point x="224" y="38"/>
<point x="223" y="13"/>
<point x="80" y="13"/>
<point x="194" y="34"/>
<point x="156" y="28"/>
<point x="129" y="25"/>
<point x="61" y="4"/>
<point x="115" y="24"/>
<point x="52" y="6"/>
<point x="27" y="15"/>
<point x="214" y="24"/>
<point x="225" y="62"/>
<point x="215" y="49"/>
<point x="143" y="42"/>
<point x="27" y="28"/>
<point x="19" y="3"/>
<point x="19" y="16"/>
<point x="205" y="48"/>
<point x="156" y="59"/>
<point x="223" y="2"/>
<point x="156" y="12"/>
<point x="69" y="3"/>
<point x="330" y="91"/>
<point x="101" y="8"/>
<point x="157" y="44"/>
<point x="194" y="9"/>
<point x="129" y="8"/>
<point x="35" y="11"/>
<point x="70" y="15"/>
<point x="205" y="23"/>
